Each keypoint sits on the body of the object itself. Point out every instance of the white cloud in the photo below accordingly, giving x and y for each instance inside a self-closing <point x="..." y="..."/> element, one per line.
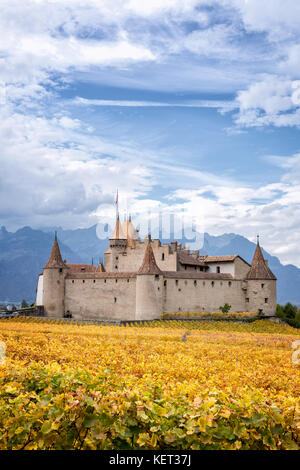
<point x="272" y="101"/>
<point x="235" y="209"/>
<point x="55" y="170"/>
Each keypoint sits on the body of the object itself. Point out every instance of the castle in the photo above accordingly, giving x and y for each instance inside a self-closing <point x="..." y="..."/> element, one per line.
<point x="141" y="280"/>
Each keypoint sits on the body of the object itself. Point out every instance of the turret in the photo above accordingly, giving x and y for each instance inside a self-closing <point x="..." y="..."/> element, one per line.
<point x="261" y="285"/>
<point x="117" y="246"/>
<point x="149" y="287"/>
<point x="55" y="271"/>
<point x="130" y="232"/>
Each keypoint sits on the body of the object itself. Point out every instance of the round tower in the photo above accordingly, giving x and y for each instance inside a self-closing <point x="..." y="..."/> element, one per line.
<point x="149" y="288"/>
<point x="261" y="285"/>
<point x="55" y="271"/>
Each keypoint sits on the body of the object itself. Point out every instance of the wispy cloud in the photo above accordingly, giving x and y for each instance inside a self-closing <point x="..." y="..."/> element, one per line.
<point x="221" y="105"/>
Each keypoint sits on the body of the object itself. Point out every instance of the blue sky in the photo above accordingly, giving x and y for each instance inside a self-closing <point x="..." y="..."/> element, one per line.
<point x="183" y="105"/>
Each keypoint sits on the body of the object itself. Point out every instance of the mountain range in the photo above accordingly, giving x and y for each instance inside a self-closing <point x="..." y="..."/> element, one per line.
<point x="24" y="253"/>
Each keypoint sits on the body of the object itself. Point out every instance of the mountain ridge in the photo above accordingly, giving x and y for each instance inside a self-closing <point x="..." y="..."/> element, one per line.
<point x="24" y="253"/>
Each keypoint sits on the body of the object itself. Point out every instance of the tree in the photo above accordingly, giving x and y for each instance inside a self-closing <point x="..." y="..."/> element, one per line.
<point x="290" y="311"/>
<point x="280" y="311"/>
<point x="24" y="304"/>
<point x="225" y="308"/>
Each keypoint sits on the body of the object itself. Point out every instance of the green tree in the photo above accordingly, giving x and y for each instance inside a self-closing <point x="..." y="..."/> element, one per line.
<point x="279" y="311"/>
<point x="290" y="311"/>
<point x="24" y="304"/>
<point x="225" y="308"/>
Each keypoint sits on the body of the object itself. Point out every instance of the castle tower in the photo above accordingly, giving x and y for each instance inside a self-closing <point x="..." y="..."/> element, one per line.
<point x="130" y="232"/>
<point x="117" y="246"/>
<point x="149" y="287"/>
<point x="55" y="271"/>
<point x="261" y="290"/>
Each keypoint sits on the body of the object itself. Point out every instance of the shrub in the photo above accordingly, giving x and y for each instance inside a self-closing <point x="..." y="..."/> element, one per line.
<point x="226" y="308"/>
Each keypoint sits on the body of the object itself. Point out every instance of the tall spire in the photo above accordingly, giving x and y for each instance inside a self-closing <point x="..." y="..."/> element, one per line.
<point x="149" y="265"/>
<point x="118" y="232"/>
<point x="55" y="260"/>
<point x="259" y="268"/>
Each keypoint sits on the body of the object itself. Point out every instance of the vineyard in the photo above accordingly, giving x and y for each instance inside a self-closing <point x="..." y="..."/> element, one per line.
<point x="162" y="385"/>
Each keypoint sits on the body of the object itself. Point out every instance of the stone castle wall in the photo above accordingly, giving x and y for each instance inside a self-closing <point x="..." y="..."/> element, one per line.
<point x="99" y="297"/>
<point x="130" y="259"/>
<point x="203" y="295"/>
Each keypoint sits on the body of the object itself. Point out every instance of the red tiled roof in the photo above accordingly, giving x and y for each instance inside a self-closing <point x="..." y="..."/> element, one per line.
<point x="185" y="258"/>
<point x="100" y="268"/>
<point x="220" y="259"/>
<point x="149" y="265"/>
<point x="259" y="269"/>
<point x="196" y="275"/>
<point x="55" y="260"/>
<point x="81" y="268"/>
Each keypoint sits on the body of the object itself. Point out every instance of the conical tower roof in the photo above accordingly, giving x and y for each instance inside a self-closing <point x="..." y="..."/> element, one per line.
<point x="55" y="260"/>
<point x="259" y="269"/>
<point x="129" y="231"/>
<point x="149" y="265"/>
<point x="118" y="232"/>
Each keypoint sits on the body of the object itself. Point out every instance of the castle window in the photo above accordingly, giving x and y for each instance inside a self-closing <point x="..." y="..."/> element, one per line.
<point x="156" y="277"/>
<point x="221" y="283"/>
<point x="73" y="281"/>
<point x="262" y="286"/>
<point x="185" y="282"/>
<point x="94" y="281"/>
<point x="185" y="267"/>
<point x="115" y="300"/>
<point x="165" y="283"/>
<point x="195" y="283"/>
<point x="127" y="280"/>
<point x="116" y="281"/>
<point x="212" y="284"/>
<point x="83" y="270"/>
<point x="247" y="300"/>
<point x="266" y="301"/>
<point x="83" y="281"/>
<point x="204" y="283"/>
<point x="179" y="290"/>
<point x="218" y="269"/>
<point x="201" y="268"/>
<point x="58" y="282"/>
<point x="60" y="270"/>
<point x="116" y="267"/>
<point x="176" y="282"/>
<point x="229" y="283"/>
<point x="163" y="257"/>
<point x="117" y="258"/>
<point x="105" y="281"/>
<point x="158" y="288"/>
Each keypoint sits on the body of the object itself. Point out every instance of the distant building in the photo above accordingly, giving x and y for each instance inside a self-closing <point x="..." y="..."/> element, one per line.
<point x="140" y="280"/>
